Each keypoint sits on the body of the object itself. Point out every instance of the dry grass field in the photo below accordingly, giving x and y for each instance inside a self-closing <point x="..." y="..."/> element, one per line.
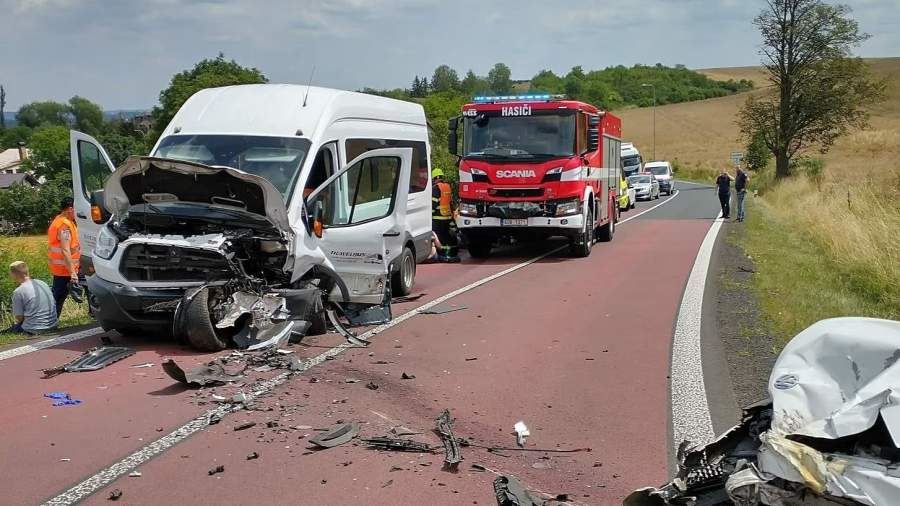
<point x="825" y="246"/>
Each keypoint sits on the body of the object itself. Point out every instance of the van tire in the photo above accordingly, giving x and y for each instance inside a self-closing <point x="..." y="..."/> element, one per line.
<point x="201" y="333"/>
<point x="581" y="247"/>
<point x="479" y="248"/>
<point x="403" y="280"/>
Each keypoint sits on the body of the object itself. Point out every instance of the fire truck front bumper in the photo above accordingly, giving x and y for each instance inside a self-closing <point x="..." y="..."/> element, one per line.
<point x="574" y="222"/>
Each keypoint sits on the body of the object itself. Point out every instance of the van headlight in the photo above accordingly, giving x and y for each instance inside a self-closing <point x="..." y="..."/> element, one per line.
<point x="567" y="207"/>
<point x="106" y="244"/>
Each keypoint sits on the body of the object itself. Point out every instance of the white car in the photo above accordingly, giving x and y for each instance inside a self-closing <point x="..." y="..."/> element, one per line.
<point x="252" y="189"/>
<point x="646" y="187"/>
<point x="664" y="174"/>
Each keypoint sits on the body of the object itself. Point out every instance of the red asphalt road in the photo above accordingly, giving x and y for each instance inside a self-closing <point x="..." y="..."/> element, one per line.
<point x="581" y="355"/>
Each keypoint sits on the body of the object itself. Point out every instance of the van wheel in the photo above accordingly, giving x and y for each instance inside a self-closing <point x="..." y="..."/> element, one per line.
<point x="479" y="248"/>
<point x="403" y="280"/>
<point x="581" y="248"/>
<point x="201" y="333"/>
<point x="606" y="232"/>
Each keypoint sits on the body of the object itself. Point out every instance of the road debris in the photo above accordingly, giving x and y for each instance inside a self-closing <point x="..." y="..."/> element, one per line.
<point x="91" y="360"/>
<point x="408" y="298"/>
<point x="216" y="470"/>
<point x="62" y="399"/>
<point x="210" y="374"/>
<point x="510" y="492"/>
<point x="395" y="444"/>
<point x="335" y="436"/>
<point x="407" y="376"/>
<point x="253" y="456"/>
<point x="135" y="474"/>
<point x="115" y="495"/>
<point x="400" y="431"/>
<point x="522" y="432"/>
<point x="829" y="435"/>
<point x="442" y="309"/>
<point x="351" y="338"/>
<point x="351" y="380"/>
<point x="387" y="483"/>
<point x="244" y="426"/>
<point x="444" y="428"/>
<point x="372" y="385"/>
<point x="142" y="366"/>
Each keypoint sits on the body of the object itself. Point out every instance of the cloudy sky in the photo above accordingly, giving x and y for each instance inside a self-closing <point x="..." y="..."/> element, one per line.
<point x="121" y="53"/>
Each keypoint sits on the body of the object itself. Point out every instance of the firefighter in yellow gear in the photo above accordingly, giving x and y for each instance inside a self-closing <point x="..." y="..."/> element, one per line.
<point x="442" y="211"/>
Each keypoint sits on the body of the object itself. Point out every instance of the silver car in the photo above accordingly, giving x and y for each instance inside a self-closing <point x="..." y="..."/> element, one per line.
<point x="645" y="186"/>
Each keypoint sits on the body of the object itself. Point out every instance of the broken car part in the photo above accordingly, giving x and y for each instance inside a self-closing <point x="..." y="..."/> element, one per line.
<point x="335" y="436"/>
<point x="92" y="360"/>
<point x="510" y="492"/>
<point x="831" y="434"/>
<point x="342" y="330"/>
<point x="442" y="308"/>
<point x="402" y="445"/>
<point x="444" y="428"/>
<point x="206" y="375"/>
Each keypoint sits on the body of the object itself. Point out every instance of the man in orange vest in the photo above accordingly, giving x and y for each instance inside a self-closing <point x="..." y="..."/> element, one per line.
<point x="64" y="252"/>
<point x="442" y="216"/>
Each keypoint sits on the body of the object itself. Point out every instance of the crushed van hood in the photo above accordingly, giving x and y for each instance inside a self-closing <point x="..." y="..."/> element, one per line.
<point x="145" y="179"/>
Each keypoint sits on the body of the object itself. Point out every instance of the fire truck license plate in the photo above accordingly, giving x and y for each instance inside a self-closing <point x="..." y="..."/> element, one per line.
<point x="514" y="223"/>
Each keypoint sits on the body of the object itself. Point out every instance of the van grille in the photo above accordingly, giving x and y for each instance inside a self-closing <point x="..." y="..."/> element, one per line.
<point x="154" y="262"/>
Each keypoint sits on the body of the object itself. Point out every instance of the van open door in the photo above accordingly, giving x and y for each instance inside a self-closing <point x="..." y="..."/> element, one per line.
<point x="91" y="167"/>
<point x="359" y="214"/>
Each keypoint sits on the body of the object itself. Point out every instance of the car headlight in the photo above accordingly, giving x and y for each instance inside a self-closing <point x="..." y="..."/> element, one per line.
<point x="467" y="209"/>
<point x="567" y="207"/>
<point x="106" y="244"/>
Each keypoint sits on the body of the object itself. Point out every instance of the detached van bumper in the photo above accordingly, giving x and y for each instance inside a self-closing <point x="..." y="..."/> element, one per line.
<point x="117" y="306"/>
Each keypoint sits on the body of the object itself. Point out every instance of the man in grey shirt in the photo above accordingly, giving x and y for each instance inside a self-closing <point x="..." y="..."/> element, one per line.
<point x="32" y="303"/>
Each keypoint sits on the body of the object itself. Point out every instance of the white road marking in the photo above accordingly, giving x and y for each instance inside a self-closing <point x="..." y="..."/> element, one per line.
<point x="650" y="208"/>
<point x="109" y="474"/>
<point x="691" y="420"/>
<point x="48" y="343"/>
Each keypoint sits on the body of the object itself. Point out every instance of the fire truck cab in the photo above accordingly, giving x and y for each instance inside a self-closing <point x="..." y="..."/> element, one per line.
<point x="536" y="166"/>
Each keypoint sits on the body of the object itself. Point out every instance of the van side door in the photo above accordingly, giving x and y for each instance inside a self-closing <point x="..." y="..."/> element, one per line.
<point x="91" y="167"/>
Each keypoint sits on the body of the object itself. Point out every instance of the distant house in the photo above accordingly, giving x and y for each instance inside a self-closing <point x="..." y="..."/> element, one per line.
<point x="12" y="158"/>
<point x="9" y="179"/>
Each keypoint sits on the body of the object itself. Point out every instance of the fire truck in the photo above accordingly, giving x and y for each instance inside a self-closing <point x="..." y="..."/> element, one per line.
<point x="536" y="166"/>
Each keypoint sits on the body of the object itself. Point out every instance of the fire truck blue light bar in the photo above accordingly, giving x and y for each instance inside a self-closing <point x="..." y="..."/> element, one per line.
<point x="512" y="98"/>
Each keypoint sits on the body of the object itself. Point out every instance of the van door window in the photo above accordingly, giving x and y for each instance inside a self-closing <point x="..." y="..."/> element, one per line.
<point x="322" y="168"/>
<point x="418" y="179"/>
<point x="364" y="192"/>
<point x="93" y="168"/>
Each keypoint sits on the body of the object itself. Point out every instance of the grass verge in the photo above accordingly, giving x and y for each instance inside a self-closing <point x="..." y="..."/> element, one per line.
<point x="33" y="251"/>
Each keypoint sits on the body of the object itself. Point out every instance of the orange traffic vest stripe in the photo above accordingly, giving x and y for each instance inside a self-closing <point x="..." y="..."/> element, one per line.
<point x="55" y="257"/>
<point x="446" y="196"/>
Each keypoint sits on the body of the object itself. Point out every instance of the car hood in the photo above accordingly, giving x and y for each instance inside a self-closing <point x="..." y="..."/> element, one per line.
<point x="151" y="180"/>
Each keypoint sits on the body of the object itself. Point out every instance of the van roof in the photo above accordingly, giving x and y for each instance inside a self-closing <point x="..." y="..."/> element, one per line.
<point x="277" y="110"/>
<point x="655" y="164"/>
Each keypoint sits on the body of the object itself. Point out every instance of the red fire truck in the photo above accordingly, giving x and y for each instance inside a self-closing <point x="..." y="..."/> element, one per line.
<point x="535" y="166"/>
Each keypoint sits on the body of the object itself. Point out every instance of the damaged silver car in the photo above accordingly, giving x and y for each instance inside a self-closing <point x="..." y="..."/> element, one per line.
<point x="829" y="435"/>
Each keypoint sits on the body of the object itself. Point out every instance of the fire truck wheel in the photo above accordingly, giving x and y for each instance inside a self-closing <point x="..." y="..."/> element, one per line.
<point x="606" y="232"/>
<point x="403" y="280"/>
<point x="581" y="246"/>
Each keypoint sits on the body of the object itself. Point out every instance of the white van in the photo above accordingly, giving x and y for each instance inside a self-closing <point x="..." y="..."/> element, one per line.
<point x="664" y="173"/>
<point x="257" y="186"/>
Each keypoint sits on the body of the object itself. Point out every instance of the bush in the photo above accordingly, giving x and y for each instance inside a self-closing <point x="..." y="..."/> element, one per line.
<point x="758" y="154"/>
<point x="24" y="209"/>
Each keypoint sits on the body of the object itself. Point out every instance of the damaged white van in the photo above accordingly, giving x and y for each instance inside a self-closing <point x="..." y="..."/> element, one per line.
<point x="254" y="200"/>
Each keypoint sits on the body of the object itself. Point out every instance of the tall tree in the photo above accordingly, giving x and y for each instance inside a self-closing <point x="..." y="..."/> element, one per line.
<point x="547" y="82"/>
<point x="208" y="73"/>
<point x="499" y="79"/>
<point x="426" y="86"/>
<point x="416" y="90"/>
<point x="472" y="84"/>
<point x="444" y="79"/>
<point x="2" y="107"/>
<point x="44" y="113"/>
<point x="49" y="147"/>
<point x="87" y="116"/>
<point x="820" y="90"/>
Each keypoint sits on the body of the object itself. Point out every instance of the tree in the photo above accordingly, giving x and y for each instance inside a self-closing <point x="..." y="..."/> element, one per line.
<point x="25" y="209"/>
<point x="499" y="79"/>
<point x="12" y="136"/>
<point x="87" y="116"/>
<point x="208" y="73"/>
<point x="45" y="113"/>
<point x="49" y="153"/>
<point x="416" y="90"/>
<point x="820" y="90"/>
<point x="472" y="84"/>
<point x="444" y="79"/>
<point x="2" y="107"/>
<point x="758" y="155"/>
<point x="426" y="87"/>
<point x="119" y="146"/>
<point x="546" y="81"/>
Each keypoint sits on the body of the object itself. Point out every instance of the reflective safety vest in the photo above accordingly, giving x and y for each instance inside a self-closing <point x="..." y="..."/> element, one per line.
<point x="55" y="256"/>
<point x="440" y="202"/>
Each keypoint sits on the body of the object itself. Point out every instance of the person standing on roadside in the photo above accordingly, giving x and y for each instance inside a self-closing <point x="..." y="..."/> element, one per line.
<point x="64" y="252"/>
<point x="741" y="180"/>
<point x="723" y="183"/>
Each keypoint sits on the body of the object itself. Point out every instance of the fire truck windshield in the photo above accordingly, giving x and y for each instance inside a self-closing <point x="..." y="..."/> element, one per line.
<point x="549" y="134"/>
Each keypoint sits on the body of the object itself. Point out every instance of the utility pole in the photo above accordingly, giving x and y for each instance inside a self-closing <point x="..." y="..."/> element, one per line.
<point x="2" y="107"/>
<point x="652" y="116"/>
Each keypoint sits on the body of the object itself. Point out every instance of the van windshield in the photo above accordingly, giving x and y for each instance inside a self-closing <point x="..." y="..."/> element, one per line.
<point x="658" y="170"/>
<point x="277" y="159"/>
<point x="629" y="160"/>
<point x="546" y="134"/>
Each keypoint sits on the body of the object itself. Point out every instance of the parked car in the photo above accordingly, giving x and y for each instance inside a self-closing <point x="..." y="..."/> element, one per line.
<point x="258" y="186"/>
<point x="645" y="186"/>
<point x="664" y="174"/>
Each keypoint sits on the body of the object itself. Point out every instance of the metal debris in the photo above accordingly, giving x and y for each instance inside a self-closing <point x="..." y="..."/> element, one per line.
<point x="442" y="308"/>
<point x="444" y="428"/>
<point x="510" y="492"/>
<point x="337" y="435"/>
<point x="91" y="360"/>
<point x="210" y="374"/>
<point x="401" y="445"/>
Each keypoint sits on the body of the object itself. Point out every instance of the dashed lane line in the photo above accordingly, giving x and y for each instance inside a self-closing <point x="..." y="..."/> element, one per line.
<point x="48" y="343"/>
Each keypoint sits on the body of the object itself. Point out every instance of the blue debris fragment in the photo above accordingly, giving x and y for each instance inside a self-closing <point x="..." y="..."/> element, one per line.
<point x="62" y="399"/>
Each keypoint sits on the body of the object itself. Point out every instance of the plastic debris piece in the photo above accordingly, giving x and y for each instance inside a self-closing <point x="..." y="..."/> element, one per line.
<point x="115" y="495"/>
<point x="212" y="373"/>
<point x="522" y="432"/>
<point x="510" y="492"/>
<point x="372" y="385"/>
<point x="142" y="366"/>
<point x="253" y="456"/>
<point x="407" y="376"/>
<point x="65" y="460"/>
<point x="57" y="395"/>
<point x="216" y="470"/>
<point x="402" y="445"/>
<point x="244" y="426"/>
<point x="135" y="474"/>
<point x="442" y="308"/>
<point x="342" y="330"/>
<point x="91" y="360"/>
<point x="444" y="428"/>
<point x="337" y="435"/>
<point x="62" y="399"/>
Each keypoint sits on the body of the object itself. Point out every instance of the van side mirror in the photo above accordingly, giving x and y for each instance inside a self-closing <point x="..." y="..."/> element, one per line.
<point x="99" y="213"/>
<point x="452" y="137"/>
<point x="318" y="227"/>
